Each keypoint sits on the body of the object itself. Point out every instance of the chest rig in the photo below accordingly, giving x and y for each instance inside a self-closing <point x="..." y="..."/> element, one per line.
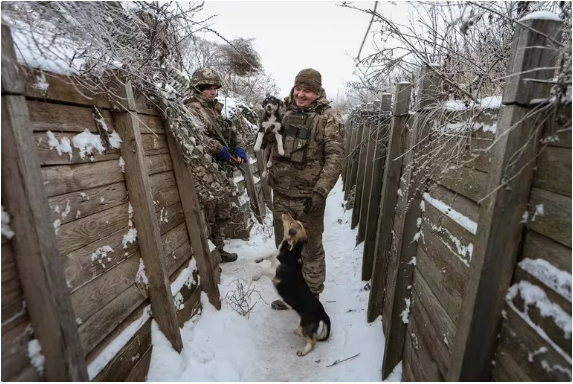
<point x="298" y="134"/>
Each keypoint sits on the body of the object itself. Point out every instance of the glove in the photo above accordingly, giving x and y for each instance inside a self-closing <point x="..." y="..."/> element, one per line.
<point x="224" y="155"/>
<point x="240" y="152"/>
<point x="314" y="203"/>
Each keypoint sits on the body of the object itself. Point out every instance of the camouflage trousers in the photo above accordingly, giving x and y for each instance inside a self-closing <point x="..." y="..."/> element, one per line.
<point x="217" y="215"/>
<point x="313" y="264"/>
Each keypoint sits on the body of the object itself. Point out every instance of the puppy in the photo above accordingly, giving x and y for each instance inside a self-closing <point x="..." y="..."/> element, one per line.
<point x="289" y="282"/>
<point x="271" y="122"/>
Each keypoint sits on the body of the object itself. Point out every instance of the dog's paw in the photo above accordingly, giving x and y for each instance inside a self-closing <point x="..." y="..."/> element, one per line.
<point x="281" y="152"/>
<point x="300" y="353"/>
<point x="269" y="164"/>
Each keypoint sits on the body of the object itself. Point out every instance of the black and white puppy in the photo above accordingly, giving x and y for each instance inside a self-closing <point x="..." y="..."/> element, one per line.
<point x="271" y="122"/>
<point x="289" y="282"/>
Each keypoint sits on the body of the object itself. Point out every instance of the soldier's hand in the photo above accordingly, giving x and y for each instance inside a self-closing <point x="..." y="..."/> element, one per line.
<point x="314" y="203"/>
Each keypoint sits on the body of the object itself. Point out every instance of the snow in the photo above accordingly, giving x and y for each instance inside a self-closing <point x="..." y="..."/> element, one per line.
<point x="115" y="140"/>
<point x="35" y="355"/>
<point x="185" y="277"/>
<point x="459" y="218"/>
<point x="463" y="252"/>
<point x="122" y="164"/>
<point x="533" y="354"/>
<point x="101" y="253"/>
<point x="533" y="295"/>
<point x="538" y="211"/>
<point x="41" y="83"/>
<point x="57" y="224"/>
<point x="87" y="143"/>
<point x="130" y="237"/>
<point x="554" y="278"/>
<point x="141" y="277"/>
<point x="541" y="15"/>
<point x="62" y="146"/>
<point x="491" y="102"/>
<point x="6" y="230"/>
<point x="396" y="374"/>
<point x="115" y="346"/>
<point x="225" y="346"/>
<point x="406" y="312"/>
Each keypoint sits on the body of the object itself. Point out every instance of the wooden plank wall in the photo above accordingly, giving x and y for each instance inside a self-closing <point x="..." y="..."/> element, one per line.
<point x="89" y="205"/>
<point x="523" y="352"/>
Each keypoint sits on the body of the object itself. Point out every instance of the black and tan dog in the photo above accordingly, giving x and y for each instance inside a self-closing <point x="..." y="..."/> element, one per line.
<point x="271" y="122"/>
<point x="290" y="284"/>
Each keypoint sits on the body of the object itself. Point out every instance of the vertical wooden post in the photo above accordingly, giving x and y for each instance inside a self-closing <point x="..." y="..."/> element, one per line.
<point x="499" y="230"/>
<point x="347" y="136"/>
<point x="194" y="222"/>
<point x="148" y="235"/>
<point x="389" y="194"/>
<point x="361" y="163"/>
<point x="264" y="182"/>
<point x="35" y="246"/>
<point x="351" y="156"/>
<point x="252" y="192"/>
<point x="400" y="270"/>
<point x="379" y="160"/>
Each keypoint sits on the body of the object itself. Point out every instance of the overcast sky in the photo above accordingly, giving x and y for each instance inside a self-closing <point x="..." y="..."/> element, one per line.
<point x="292" y="35"/>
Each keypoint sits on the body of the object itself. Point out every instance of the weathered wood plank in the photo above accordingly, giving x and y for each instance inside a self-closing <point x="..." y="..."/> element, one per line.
<point x="361" y="164"/>
<point x="192" y="306"/>
<point x="79" y="233"/>
<point x="139" y="371"/>
<point x="537" y="245"/>
<point x="457" y="201"/>
<point x="177" y="259"/>
<point x="356" y="145"/>
<point x="367" y="184"/>
<point x="150" y="124"/>
<point x="169" y="217"/>
<point x="62" y="179"/>
<point x="522" y="340"/>
<point x="555" y="222"/>
<point x="35" y="245"/>
<point x="12" y="76"/>
<point x="76" y="205"/>
<point x="15" y="350"/>
<point x="470" y="183"/>
<point x="48" y="156"/>
<point x="197" y="235"/>
<point x="421" y="363"/>
<point x="158" y="163"/>
<point x="125" y="360"/>
<point x="439" y="329"/>
<point x="553" y="171"/>
<point x="506" y="369"/>
<point x="62" y="88"/>
<point x="145" y="106"/>
<point x="149" y="237"/>
<point x="154" y="144"/>
<point x="349" y="158"/>
<point x="65" y="118"/>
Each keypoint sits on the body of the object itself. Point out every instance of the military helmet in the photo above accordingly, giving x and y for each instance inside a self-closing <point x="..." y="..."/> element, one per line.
<point x="206" y="76"/>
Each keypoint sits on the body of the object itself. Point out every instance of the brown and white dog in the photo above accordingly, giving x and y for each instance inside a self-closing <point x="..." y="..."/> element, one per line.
<point x="271" y="122"/>
<point x="289" y="282"/>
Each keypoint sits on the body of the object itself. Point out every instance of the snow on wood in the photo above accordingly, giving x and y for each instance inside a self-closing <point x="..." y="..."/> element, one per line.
<point x="6" y="230"/>
<point x="541" y="15"/>
<point x="16" y="315"/>
<point x="456" y="216"/>
<point x="117" y="344"/>
<point x="406" y="312"/>
<point x="535" y="353"/>
<point x="131" y="236"/>
<point x="35" y="355"/>
<point x="41" y="83"/>
<point x="491" y="102"/>
<point x="463" y="252"/>
<point x="532" y="295"/>
<point x="115" y="140"/>
<point x="122" y="164"/>
<point x="185" y="277"/>
<point x="62" y="146"/>
<point x="100" y="254"/>
<point x="396" y="374"/>
<point x="87" y="143"/>
<point x="554" y="278"/>
<point x="141" y="277"/>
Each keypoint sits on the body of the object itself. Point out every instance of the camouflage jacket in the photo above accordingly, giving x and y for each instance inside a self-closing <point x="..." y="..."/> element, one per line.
<point x="313" y="150"/>
<point x="209" y="113"/>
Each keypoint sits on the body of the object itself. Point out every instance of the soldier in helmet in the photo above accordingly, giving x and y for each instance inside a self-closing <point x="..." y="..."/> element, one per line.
<point x="223" y="142"/>
<point x="303" y="177"/>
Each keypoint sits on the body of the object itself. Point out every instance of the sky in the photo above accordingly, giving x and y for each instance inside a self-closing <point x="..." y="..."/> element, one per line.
<point x="292" y="35"/>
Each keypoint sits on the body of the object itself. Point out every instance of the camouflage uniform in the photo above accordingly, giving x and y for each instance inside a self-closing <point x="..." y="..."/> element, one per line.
<point x="217" y="208"/>
<point x="312" y="164"/>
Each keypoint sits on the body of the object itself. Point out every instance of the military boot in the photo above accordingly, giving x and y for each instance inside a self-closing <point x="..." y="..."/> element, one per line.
<point x="227" y="257"/>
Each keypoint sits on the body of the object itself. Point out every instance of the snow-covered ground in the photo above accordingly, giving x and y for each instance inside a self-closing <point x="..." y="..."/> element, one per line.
<point x="225" y="346"/>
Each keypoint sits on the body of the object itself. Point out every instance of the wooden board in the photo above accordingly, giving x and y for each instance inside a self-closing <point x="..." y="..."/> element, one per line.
<point x="154" y="144"/>
<point x="439" y="330"/>
<point x="61" y="88"/>
<point x="65" y="118"/>
<point x="361" y="164"/>
<point x="367" y="185"/>
<point x="417" y="354"/>
<point x="15" y="350"/>
<point x="470" y="183"/>
<point x="178" y="257"/>
<point x="506" y="369"/>
<point x="457" y="201"/>
<point x="537" y="245"/>
<point x="77" y="234"/>
<point x="158" y="163"/>
<point x="553" y="171"/>
<point x="76" y="205"/>
<point x="48" y="156"/>
<point x="146" y="107"/>
<point x="150" y="124"/>
<point x="62" y="179"/>
<point x="555" y="222"/>
<point x="139" y="371"/>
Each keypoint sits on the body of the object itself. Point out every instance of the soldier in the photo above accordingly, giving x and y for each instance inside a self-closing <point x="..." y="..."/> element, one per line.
<point x="303" y="177"/>
<point x="223" y="142"/>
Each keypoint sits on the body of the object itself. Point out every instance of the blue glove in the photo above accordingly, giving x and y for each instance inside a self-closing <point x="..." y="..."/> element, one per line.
<point x="240" y="152"/>
<point x="224" y="155"/>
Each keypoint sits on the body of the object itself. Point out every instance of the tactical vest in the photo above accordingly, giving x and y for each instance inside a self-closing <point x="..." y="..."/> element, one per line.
<point x="299" y="137"/>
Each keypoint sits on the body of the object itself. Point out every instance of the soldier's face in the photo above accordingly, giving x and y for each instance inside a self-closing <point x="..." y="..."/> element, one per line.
<point x="211" y="92"/>
<point x="303" y="97"/>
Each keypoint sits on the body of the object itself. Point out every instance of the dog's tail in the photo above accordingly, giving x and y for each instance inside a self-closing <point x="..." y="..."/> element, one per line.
<point x="323" y="331"/>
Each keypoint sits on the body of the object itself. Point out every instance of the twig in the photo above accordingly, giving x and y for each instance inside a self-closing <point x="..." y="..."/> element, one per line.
<point x="342" y="361"/>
